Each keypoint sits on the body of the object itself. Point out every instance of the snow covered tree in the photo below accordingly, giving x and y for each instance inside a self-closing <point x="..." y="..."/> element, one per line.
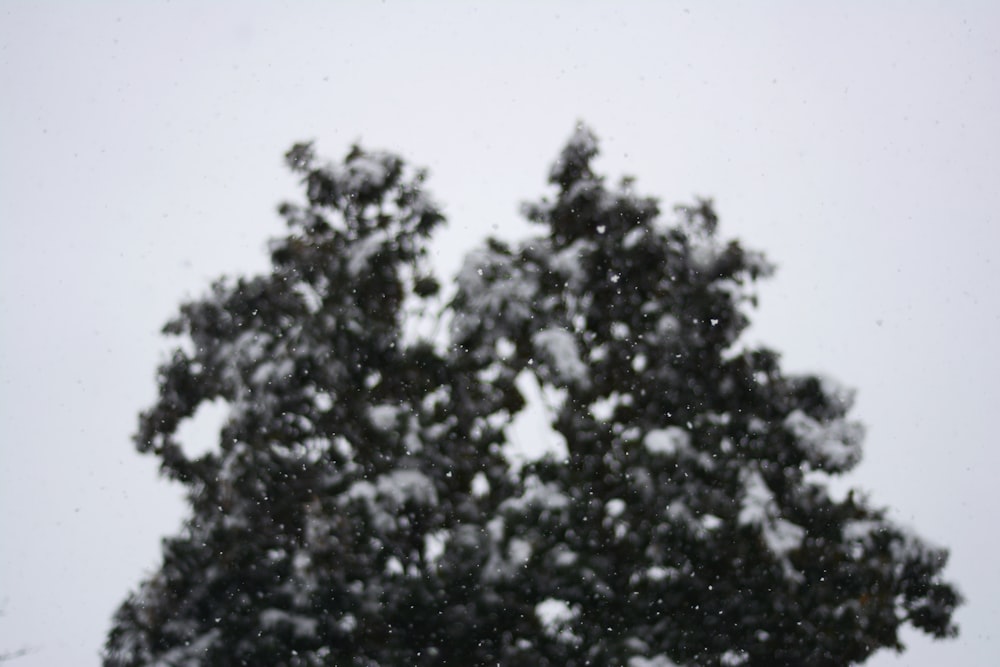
<point x="347" y="448"/>
<point x="361" y="509"/>
<point x="688" y="521"/>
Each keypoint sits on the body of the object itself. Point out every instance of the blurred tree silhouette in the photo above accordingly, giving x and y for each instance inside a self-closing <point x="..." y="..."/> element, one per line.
<point x="361" y="508"/>
<point x="8" y="655"/>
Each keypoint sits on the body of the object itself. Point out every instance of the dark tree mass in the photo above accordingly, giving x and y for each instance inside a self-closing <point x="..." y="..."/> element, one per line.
<point x="363" y="506"/>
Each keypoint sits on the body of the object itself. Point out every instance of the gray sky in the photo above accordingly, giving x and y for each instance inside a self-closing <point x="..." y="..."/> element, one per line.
<point x="140" y="156"/>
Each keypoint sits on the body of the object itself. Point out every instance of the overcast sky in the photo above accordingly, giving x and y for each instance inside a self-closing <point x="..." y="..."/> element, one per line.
<point x="141" y="156"/>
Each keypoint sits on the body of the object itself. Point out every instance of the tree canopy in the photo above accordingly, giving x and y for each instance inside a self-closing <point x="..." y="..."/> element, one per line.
<point x="362" y="507"/>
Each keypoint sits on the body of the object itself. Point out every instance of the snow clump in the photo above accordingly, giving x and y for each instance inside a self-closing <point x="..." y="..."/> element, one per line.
<point x="758" y="508"/>
<point x="383" y="416"/>
<point x="670" y="440"/>
<point x="560" y="348"/>
<point x="834" y="446"/>
<point x="555" y="617"/>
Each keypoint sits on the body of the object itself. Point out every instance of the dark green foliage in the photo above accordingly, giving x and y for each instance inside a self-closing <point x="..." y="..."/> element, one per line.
<point x="360" y="509"/>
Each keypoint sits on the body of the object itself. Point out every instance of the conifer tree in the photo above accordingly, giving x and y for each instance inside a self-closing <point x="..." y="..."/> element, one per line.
<point x="361" y="509"/>
<point x="689" y="522"/>
<point x="346" y="449"/>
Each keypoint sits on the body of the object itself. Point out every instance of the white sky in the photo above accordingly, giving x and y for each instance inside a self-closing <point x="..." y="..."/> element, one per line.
<point x="140" y="156"/>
